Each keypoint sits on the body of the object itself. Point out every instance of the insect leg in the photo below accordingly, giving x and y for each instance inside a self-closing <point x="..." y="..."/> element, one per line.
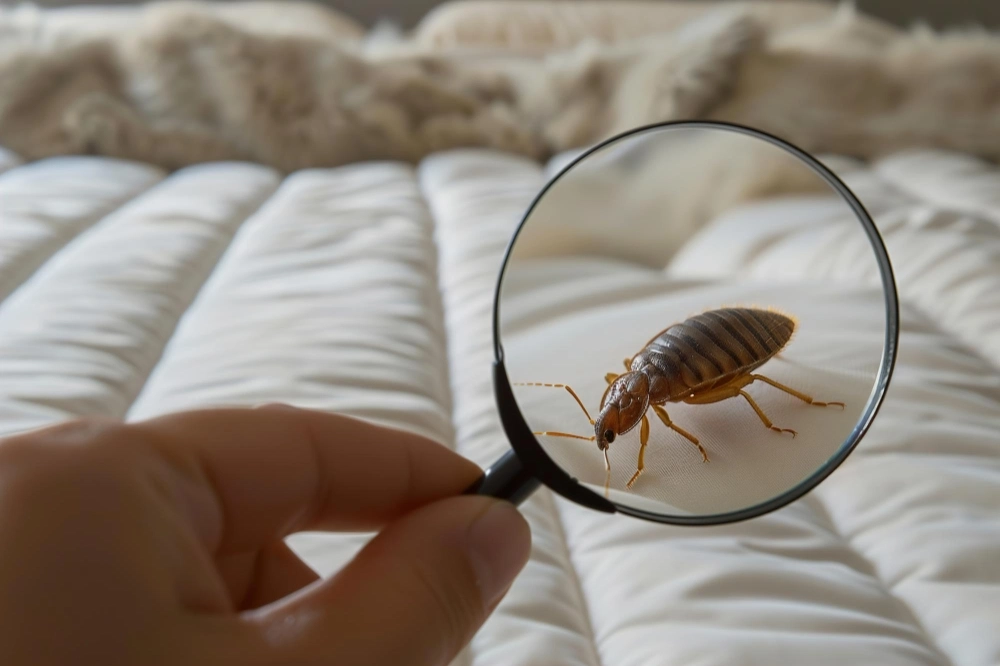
<point x="662" y="413"/>
<point x="571" y="392"/>
<point x="762" y="416"/>
<point x="643" y="440"/>
<point x="797" y="394"/>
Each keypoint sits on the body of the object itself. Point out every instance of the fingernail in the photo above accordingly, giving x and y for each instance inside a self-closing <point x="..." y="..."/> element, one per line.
<point x="499" y="543"/>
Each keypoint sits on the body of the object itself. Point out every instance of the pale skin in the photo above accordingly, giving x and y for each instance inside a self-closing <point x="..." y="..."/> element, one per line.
<point x="162" y="542"/>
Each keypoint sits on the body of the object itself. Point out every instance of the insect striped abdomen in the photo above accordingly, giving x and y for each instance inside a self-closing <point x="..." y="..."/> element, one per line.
<point x="711" y="348"/>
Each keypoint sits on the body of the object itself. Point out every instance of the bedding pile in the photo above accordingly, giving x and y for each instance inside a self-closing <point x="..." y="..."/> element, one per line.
<point x="176" y="83"/>
<point x="129" y="290"/>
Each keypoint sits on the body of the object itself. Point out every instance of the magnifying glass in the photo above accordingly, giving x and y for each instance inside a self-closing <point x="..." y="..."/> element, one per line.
<point x="695" y="323"/>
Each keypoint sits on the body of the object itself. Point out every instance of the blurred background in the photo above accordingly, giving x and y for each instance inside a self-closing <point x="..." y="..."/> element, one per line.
<point x="956" y="13"/>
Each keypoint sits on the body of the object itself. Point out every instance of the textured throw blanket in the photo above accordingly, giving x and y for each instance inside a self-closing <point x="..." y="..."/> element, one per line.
<point x="179" y="83"/>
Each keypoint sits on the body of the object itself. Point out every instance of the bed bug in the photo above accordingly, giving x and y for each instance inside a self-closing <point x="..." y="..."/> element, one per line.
<point x="706" y="358"/>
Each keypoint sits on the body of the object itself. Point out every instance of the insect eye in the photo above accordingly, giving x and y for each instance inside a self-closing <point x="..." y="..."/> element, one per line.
<point x="626" y="401"/>
<point x="609" y="436"/>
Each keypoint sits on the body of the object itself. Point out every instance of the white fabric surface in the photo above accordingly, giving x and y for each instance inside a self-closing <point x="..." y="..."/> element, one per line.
<point x="748" y="463"/>
<point x="368" y="289"/>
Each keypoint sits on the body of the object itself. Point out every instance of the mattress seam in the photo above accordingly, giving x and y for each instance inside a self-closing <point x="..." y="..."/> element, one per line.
<point x="823" y="512"/>
<point x="887" y="179"/>
<point x="467" y="655"/>
<point x="964" y="341"/>
<point x="956" y="338"/>
<point x="85" y="228"/>
<point x="819" y="507"/>
<point x="440" y="311"/>
<point x="574" y="573"/>
<point x="194" y="298"/>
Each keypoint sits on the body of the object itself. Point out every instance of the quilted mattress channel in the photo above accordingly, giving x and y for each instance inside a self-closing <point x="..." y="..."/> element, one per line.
<point x="892" y="561"/>
<point x="100" y="260"/>
<point x="219" y="285"/>
<point x="922" y="501"/>
<point x="476" y="198"/>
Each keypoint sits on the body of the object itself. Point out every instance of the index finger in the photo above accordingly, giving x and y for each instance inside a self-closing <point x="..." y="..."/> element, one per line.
<point x="251" y="476"/>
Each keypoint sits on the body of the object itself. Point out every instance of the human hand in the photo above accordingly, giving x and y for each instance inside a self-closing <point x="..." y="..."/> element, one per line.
<point x="160" y="542"/>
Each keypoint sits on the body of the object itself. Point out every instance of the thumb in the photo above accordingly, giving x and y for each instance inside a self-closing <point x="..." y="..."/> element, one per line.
<point x="414" y="596"/>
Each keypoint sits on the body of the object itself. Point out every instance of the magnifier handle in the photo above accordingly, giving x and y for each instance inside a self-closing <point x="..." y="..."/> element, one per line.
<point x="505" y="479"/>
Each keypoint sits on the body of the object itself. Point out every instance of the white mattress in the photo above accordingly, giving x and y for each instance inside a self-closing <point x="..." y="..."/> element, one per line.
<point x="367" y="289"/>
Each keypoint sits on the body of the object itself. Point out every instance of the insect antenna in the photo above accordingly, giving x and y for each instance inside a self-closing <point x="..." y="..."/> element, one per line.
<point x="553" y="433"/>
<point x="607" y="462"/>
<point x="565" y="386"/>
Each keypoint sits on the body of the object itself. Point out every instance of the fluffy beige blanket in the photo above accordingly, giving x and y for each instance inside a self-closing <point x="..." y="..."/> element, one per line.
<point x="187" y="84"/>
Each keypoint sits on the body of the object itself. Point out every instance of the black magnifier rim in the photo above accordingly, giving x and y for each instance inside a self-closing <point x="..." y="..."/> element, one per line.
<point x="533" y="455"/>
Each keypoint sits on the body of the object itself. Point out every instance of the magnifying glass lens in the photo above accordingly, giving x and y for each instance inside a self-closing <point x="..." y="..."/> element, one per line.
<point x="696" y="321"/>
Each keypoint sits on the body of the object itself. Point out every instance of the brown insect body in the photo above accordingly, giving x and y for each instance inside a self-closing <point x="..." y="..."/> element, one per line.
<point x="704" y="359"/>
<point x="690" y="359"/>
